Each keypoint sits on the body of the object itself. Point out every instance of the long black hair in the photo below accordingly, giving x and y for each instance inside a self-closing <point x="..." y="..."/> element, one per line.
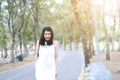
<point x="42" y="39"/>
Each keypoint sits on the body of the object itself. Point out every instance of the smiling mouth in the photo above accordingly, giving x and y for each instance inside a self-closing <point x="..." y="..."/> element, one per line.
<point x="47" y="38"/>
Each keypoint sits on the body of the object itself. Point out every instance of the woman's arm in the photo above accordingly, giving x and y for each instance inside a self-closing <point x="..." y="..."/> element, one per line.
<point x="37" y="50"/>
<point x="56" y="57"/>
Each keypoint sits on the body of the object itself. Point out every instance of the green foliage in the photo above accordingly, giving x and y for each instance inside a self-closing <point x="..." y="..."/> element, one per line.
<point x="117" y="34"/>
<point x="29" y="34"/>
<point x="60" y="17"/>
<point x="3" y="39"/>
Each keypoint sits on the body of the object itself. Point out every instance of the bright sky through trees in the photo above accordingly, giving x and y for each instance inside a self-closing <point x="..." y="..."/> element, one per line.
<point x="110" y="9"/>
<point x="59" y="1"/>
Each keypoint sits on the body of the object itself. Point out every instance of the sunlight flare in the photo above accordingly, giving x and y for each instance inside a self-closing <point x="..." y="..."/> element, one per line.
<point x="59" y="1"/>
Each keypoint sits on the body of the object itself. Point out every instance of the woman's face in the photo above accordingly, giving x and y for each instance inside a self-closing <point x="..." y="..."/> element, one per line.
<point x="47" y="35"/>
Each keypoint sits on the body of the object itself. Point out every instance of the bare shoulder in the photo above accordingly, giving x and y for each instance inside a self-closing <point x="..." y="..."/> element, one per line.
<point x="37" y="42"/>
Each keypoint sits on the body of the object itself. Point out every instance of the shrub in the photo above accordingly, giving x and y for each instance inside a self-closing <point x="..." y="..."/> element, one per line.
<point x="20" y="57"/>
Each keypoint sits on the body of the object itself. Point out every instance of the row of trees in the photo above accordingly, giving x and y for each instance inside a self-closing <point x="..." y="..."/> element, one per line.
<point x="95" y="16"/>
<point x="73" y="21"/>
<point x="19" y="24"/>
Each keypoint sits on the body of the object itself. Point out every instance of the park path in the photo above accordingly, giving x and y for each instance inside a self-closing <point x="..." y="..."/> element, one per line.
<point x="70" y="63"/>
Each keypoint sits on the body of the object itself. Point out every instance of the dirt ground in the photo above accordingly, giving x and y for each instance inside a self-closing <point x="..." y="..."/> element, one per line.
<point x="113" y="65"/>
<point x="7" y="66"/>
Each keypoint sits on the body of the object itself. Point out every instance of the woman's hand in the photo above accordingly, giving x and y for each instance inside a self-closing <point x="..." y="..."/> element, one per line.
<point x="56" y="74"/>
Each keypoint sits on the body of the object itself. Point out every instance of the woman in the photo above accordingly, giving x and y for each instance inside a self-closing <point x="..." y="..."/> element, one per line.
<point x="46" y="66"/>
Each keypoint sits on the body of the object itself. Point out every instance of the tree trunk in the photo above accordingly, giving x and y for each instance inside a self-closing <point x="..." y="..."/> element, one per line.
<point x="106" y="35"/>
<point x="76" y="45"/>
<point x="82" y="32"/>
<point x="22" y="26"/>
<point x="64" y="43"/>
<point x="1" y="24"/>
<point x="93" y="50"/>
<point x="90" y="41"/>
<point x="70" y="45"/>
<point x="20" y="40"/>
<point x="11" y="27"/>
<point x="36" y="25"/>
<point x="36" y="20"/>
<point x="118" y="5"/>
<point x="86" y="51"/>
<point x="90" y="49"/>
<point x="88" y="7"/>
<point x="1" y="53"/>
<point x="119" y="45"/>
<point x="119" y="27"/>
<point x="107" y="50"/>
<point x="113" y="32"/>
<point x="5" y="52"/>
<point x="107" y="43"/>
<point x="119" y="36"/>
<point x="26" y="53"/>
<point x="12" y="52"/>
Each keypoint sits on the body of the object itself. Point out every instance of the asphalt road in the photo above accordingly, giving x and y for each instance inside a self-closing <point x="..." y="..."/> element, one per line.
<point x="69" y="68"/>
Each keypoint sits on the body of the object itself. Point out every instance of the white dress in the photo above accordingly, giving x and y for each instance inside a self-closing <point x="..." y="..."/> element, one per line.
<point x="45" y="64"/>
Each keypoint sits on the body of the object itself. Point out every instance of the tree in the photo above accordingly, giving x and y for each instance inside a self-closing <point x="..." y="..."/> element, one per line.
<point x="106" y="35"/>
<point x="11" y="8"/>
<point x="89" y="24"/>
<point x="118" y="9"/>
<point x="82" y="32"/>
<point x="23" y="23"/>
